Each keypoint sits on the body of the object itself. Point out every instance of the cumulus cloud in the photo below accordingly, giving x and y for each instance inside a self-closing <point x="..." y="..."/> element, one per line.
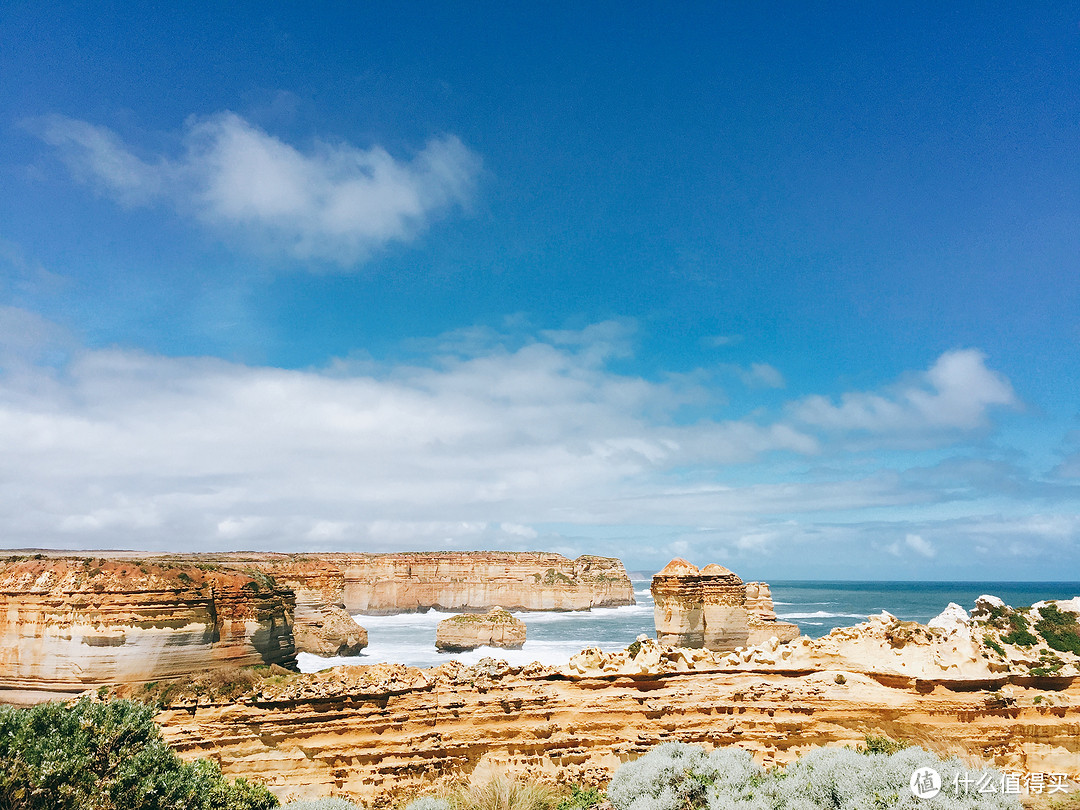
<point x="485" y="443"/>
<point x="956" y="393"/>
<point x="333" y="201"/>
<point x="762" y="375"/>
<point x="120" y="446"/>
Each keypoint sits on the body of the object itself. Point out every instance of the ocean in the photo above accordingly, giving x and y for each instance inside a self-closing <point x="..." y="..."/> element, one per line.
<point x="816" y="607"/>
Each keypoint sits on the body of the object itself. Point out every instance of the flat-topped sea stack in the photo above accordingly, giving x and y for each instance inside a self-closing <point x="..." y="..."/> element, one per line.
<point x="69" y="624"/>
<point x="713" y="608"/>
<point x="381" y="584"/>
<point x="467" y="631"/>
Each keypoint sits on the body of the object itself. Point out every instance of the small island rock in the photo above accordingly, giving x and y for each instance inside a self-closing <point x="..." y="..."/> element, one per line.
<point x="329" y="630"/>
<point x="496" y="628"/>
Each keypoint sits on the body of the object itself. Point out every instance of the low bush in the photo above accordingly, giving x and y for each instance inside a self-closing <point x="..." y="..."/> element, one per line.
<point x="323" y="804"/>
<point x="674" y="776"/>
<point x="1019" y="634"/>
<point x="881" y="745"/>
<point x="1059" y="628"/>
<point x="107" y="756"/>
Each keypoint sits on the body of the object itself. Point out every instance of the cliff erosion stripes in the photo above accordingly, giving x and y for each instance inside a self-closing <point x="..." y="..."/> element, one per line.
<point x="713" y="608"/>
<point x="68" y="624"/>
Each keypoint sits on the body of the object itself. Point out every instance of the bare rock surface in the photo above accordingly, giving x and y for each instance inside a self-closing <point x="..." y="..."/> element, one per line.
<point x="374" y="734"/>
<point x="407" y="582"/>
<point x="328" y="631"/>
<point x="713" y="608"/>
<point x="70" y="623"/>
<point x="467" y="631"/>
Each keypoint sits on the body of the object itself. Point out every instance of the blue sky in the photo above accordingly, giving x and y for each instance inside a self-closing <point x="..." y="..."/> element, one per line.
<point x="788" y="288"/>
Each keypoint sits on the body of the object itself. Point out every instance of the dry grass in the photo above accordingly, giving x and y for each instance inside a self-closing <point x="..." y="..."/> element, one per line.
<point x="1057" y="801"/>
<point x="503" y="793"/>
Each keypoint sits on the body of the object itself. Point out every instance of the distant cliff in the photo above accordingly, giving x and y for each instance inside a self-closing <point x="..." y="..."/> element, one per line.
<point x="70" y="624"/>
<point x="444" y="580"/>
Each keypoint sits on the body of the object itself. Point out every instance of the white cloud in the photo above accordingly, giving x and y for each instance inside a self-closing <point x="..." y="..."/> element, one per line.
<point x="334" y="201"/>
<point x="127" y="447"/>
<point x="489" y="445"/>
<point x="762" y="375"/>
<point x="956" y="393"/>
<point x="920" y="546"/>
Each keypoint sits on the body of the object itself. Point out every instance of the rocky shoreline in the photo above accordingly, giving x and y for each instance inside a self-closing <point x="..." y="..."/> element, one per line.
<point x="999" y="686"/>
<point x="379" y="732"/>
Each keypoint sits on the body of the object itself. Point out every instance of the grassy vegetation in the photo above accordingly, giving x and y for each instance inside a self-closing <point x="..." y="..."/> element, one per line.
<point x="224" y="684"/>
<point x="107" y="756"/>
<point x="1059" y="629"/>
<point x="1019" y="634"/>
<point x="553" y="577"/>
<point x="882" y="745"/>
<point x="990" y="642"/>
<point x="495" y="617"/>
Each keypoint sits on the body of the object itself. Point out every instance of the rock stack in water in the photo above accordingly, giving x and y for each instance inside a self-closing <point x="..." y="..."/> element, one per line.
<point x="328" y="630"/>
<point x="496" y="628"/>
<point x="713" y="608"/>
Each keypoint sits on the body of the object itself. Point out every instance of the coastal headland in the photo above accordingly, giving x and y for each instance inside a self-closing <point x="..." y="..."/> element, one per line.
<point x="211" y="640"/>
<point x="71" y="623"/>
<point x="377" y="733"/>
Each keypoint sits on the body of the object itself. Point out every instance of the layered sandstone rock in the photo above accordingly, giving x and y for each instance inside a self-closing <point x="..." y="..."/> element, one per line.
<point x="322" y="625"/>
<point x="67" y="624"/>
<point x="379" y="734"/>
<point x="496" y="628"/>
<point x="713" y="608"/>
<point x="446" y="580"/>
<point x="328" y="630"/>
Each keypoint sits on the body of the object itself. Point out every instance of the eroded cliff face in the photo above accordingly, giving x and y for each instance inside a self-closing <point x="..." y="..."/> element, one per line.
<point x="69" y="624"/>
<point x="713" y="608"/>
<point x="380" y="734"/>
<point x="446" y="580"/>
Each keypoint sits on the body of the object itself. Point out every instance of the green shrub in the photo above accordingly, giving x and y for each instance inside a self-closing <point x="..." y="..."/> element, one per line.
<point x="1018" y="631"/>
<point x="1059" y="628"/>
<point x="993" y="645"/>
<point x="107" y="756"/>
<point x="581" y="798"/>
<point x="327" y="804"/>
<point x="882" y="745"/>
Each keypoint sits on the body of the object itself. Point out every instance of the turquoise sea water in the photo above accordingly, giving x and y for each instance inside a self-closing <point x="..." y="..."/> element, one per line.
<point x="816" y="607"/>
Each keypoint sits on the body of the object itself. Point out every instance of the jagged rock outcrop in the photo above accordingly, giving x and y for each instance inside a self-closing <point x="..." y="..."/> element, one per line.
<point x="376" y="734"/>
<point x="713" y="608"/>
<point x="496" y="628"/>
<point x="328" y="630"/>
<point x="68" y="624"/>
<point x="406" y="582"/>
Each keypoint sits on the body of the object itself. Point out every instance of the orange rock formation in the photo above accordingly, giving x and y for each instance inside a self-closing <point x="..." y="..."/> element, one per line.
<point x="446" y="580"/>
<point x="376" y="734"/>
<point x="69" y="624"/>
<point x="713" y="608"/>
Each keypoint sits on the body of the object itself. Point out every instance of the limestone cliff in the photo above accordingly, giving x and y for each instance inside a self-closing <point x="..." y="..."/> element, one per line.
<point x="68" y="624"/>
<point x="379" y="733"/>
<point x="496" y="628"/>
<point x="713" y="608"/>
<point x="446" y="580"/>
